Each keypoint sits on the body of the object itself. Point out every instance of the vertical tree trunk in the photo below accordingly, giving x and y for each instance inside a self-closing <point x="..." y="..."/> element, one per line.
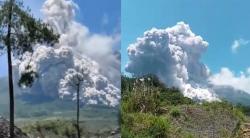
<point x="78" y="111"/>
<point x="11" y="89"/>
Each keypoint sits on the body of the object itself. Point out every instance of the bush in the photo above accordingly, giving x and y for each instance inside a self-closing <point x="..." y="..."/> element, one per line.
<point x="149" y="95"/>
<point x="175" y="112"/>
<point x="173" y="96"/>
<point x="140" y="102"/>
<point x="126" y="133"/>
<point x="126" y="107"/>
<point x="145" y="125"/>
<point x="239" y="114"/>
<point x="159" y="127"/>
<point x="244" y="109"/>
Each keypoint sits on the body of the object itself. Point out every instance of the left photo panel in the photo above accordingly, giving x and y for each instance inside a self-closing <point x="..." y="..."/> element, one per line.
<point x="60" y="68"/>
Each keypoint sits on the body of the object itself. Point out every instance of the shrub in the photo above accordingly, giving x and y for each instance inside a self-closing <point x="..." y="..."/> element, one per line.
<point x="126" y="133"/>
<point x="239" y="114"/>
<point x="141" y="102"/>
<point x="175" y="112"/>
<point x="145" y="125"/>
<point x="159" y="127"/>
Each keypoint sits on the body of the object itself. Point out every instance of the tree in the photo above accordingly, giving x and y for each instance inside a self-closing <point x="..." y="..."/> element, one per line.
<point x="76" y="80"/>
<point x="84" y="84"/>
<point x="19" y="31"/>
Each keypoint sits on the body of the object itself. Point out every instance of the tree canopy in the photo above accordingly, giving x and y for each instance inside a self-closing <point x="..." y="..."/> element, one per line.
<point x="26" y="31"/>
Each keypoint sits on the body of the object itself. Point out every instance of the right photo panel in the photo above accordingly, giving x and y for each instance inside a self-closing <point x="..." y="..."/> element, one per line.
<point x="185" y="69"/>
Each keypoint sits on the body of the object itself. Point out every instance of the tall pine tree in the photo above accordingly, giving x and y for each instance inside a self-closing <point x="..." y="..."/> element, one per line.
<point x="19" y="31"/>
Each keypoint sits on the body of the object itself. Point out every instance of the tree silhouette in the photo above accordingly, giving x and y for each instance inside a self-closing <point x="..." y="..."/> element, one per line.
<point x="76" y="80"/>
<point x="19" y="31"/>
<point x="86" y="85"/>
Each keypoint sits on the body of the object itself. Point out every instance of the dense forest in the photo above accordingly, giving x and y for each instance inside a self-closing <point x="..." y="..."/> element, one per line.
<point x="151" y="109"/>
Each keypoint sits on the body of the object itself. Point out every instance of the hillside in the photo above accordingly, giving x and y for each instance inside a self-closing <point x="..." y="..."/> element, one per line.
<point x="232" y="95"/>
<point x="149" y="109"/>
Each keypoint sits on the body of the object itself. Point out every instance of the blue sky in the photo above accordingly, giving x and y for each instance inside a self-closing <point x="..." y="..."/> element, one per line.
<point x="100" y="16"/>
<point x="219" y="22"/>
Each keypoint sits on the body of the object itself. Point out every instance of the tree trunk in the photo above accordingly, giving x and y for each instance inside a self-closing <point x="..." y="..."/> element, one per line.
<point x="11" y="89"/>
<point x="78" y="111"/>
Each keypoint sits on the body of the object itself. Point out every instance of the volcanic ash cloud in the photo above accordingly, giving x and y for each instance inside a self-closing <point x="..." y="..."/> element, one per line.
<point x="76" y="45"/>
<point x="173" y="54"/>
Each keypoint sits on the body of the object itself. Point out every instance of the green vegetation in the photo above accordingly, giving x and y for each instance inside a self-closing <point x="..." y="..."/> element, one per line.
<point x="175" y="112"/>
<point x="61" y="128"/>
<point x="151" y="126"/>
<point x="151" y="110"/>
<point x="57" y="128"/>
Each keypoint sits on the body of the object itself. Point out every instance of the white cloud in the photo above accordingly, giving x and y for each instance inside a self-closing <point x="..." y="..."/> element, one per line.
<point x="228" y="78"/>
<point x="238" y="43"/>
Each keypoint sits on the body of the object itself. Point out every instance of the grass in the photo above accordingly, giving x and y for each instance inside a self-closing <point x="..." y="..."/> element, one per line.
<point x="61" y="128"/>
<point x="147" y="125"/>
<point x="175" y="112"/>
<point x="58" y="128"/>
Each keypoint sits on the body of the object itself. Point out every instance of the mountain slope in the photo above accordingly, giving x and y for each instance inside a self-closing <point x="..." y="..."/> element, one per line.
<point x="232" y="95"/>
<point x="149" y="109"/>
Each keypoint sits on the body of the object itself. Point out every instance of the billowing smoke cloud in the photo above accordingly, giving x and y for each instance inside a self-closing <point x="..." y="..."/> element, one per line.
<point x="51" y="64"/>
<point x="76" y="43"/>
<point x="99" y="47"/>
<point x="94" y="88"/>
<point x="173" y="54"/>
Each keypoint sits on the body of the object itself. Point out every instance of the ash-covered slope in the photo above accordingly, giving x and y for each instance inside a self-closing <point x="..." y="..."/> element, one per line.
<point x="233" y="95"/>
